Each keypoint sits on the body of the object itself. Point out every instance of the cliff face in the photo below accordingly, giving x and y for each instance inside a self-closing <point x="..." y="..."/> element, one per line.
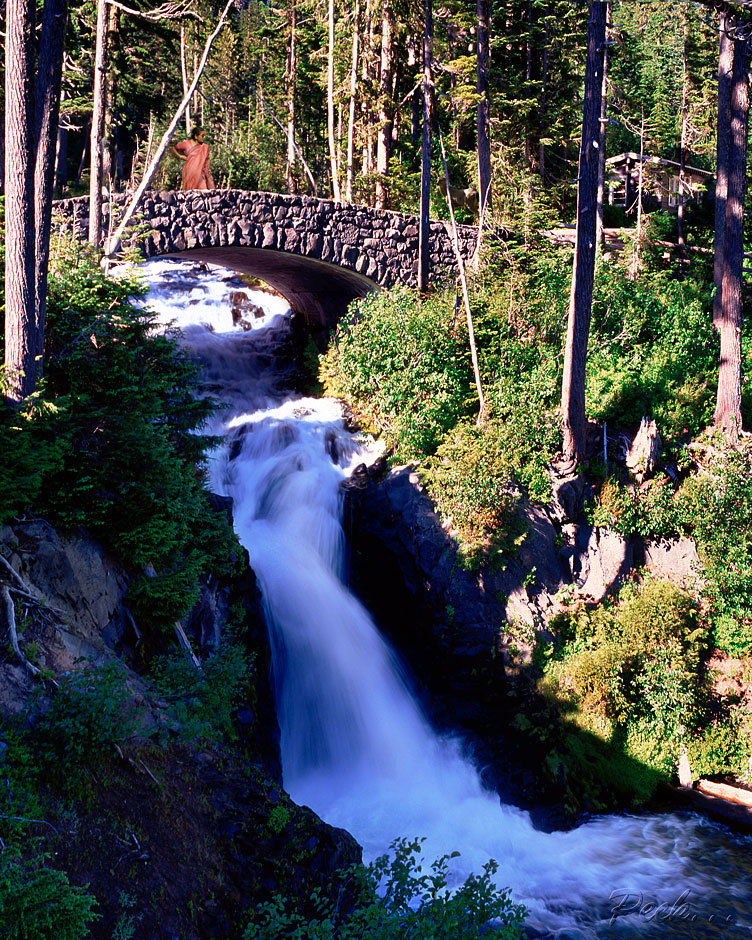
<point x="180" y="836"/>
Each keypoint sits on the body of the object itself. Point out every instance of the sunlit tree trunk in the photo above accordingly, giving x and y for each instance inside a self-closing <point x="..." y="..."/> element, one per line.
<point x="725" y="65"/>
<point x="366" y="71"/>
<point x="333" y="162"/>
<point x="483" y="11"/>
<point x="728" y="405"/>
<point x="581" y="295"/>
<point x="353" y="97"/>
<point x="291" y="69"/>
<point x="384" y="136"/>
<point x="184" y="76"/>
<point x="47" y="108"/>
<point x="109" y="143"/>
<point x="683" y="137"/>
<point x="544" y="90"/>
<point x="425" y="162"/>
<point x="20" y="327"/>
<point x="600" y="233"/>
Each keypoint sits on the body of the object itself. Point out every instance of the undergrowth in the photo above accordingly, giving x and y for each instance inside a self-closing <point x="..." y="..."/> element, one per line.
<point x="629" y="684"/>
<point x="397" y="899"/>
<point x="108" y="443"/>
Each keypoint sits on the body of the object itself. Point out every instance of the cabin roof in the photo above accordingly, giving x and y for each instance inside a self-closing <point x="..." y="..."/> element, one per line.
<point x="620" y="163"/>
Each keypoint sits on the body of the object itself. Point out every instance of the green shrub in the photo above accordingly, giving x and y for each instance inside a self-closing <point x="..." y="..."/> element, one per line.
<point x="633" y="673"/>
<point x="469" y="481"/>
<point x="37" y="903"/>
<point x="718" y="506"/>
<point x="203" y="702"/>
<point x="89" y="713"/>
<point x="723" y="747"/>
<point x="402" y="361"/>
<point x="395" y="899"/>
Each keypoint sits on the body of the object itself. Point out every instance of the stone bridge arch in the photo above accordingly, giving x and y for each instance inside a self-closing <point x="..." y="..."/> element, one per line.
<point x="318" y="254"/>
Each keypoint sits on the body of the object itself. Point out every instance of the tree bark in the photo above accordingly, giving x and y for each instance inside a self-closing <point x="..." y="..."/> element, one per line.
<point x="465" y="294"/>
<point x="366" y="106"/>
<point x="113" y="243"/>
<point x="483" y="10"/>
<point x="184" y="77"/>
<point x="581" y="295"/>
<point x="330" y="108"/>
<point x="97" y="128"/>
<point x="600" y="233"/>
<point x="47" y="107"/>
<point x="728" y="413"/>
<point x="291" y="68"/>
<point x="20" y="327"/>
<point x="425" y="161"/>
<point x="543" y="103"/>
<point x="61" y="154"/>
<point x="683" y="137"/>
<point x="351" y="109"/>
<point x="384" y="137"/>
<point x="725" y="65"/>
<point x="109" y="136"/>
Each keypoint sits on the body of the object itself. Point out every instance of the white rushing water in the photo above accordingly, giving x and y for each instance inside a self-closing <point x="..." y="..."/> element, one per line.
<point x="355" y="744"/>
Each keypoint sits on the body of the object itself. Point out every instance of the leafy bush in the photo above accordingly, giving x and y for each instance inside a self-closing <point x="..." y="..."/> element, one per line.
<point x="718" y="504"/>
<point x="396" y="900"/>
<point x="634" y="671"/>
<point x="89" y="713"/>
<point x="37" y="902"/>
<point x="402" y="362"/>
<point x="723" y="747"/>
<point x="714" y="507"/>
<point x="470" y="483"/>
<point x="203" y="701"/>
<point x="652" y="352"/>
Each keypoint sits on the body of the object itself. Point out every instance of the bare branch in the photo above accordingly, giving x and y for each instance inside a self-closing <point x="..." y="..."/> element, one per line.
<point x="10" y="617"/>
<point x="167" y="11"/>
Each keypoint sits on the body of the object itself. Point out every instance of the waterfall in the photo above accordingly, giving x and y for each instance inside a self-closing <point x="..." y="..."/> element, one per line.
<point x="356" y="746"/>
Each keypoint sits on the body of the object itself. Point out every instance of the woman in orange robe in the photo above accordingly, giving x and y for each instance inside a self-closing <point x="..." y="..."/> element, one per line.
<point x="195" y="153"/>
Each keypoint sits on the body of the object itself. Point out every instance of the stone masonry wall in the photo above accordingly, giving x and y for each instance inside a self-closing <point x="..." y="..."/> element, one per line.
<point x="378" y="244"/>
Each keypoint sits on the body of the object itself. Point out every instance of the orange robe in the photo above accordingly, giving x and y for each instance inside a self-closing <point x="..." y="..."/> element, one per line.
<point x="196" y="172"/>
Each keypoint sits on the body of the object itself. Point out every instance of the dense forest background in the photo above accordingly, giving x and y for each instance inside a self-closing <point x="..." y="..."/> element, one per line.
<point x="606" y="693"/>
<point x="267" y="84"/>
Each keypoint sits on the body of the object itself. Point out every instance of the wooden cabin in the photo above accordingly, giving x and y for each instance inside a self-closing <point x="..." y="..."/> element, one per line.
<point x="660" y="183"/>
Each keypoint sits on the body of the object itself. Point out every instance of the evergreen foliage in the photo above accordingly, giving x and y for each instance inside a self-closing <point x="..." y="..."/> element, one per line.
<point x="37" y="902"/>
<point x="109" y="446"/>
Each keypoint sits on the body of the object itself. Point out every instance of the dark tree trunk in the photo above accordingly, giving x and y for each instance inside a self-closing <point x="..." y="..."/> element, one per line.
<point x="728" y="413"/>
<point x="578" y="328"/>
<point x="725" y="64"/>
<point x="483" y="9"/>
<point x="49" y="72"/>
<point x="386" y="108"/>
<point x="20" y="331"/>
<point x="425" y="162"/>
<point x="97" y="128"/>
<point x="542" y="122"/>
<point x="61" y="157"/>
<point x="600" y="232"/>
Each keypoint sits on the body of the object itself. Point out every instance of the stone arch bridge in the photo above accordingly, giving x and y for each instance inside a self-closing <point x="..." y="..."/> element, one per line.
<point x="318" y="254"/>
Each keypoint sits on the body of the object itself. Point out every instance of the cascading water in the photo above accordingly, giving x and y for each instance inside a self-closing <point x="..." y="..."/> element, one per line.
<point x="355" y="744"/>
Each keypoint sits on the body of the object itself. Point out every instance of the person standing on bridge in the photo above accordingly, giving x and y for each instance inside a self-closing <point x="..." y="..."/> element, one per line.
<point x="195" y="153"/>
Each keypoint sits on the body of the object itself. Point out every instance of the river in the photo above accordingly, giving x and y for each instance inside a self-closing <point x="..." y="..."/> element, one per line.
<point x="356" y="746"/>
